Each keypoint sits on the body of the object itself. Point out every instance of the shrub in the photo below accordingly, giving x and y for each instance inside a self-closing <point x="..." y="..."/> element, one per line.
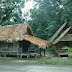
<point x="69" y="50"/>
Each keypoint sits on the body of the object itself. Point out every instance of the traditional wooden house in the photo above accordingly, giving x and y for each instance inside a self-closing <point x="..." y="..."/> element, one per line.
<point x="16" y="40"/>
<point x="12" y="39"/>
<point x="62" y="38"/>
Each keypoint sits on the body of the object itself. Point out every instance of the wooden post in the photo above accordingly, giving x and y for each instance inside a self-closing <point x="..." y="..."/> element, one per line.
<point x="44" y="52"/>
<point x="29" y="51"/>
<point x="21" y="56"/>
<point x="4" y="55"/>
<point x="17" y="56"/>
<point x="40" y="52"/>
<point x="27" y="56"/>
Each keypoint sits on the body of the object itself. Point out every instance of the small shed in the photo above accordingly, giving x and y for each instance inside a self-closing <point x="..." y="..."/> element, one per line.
<point x="62" y="38"/>
<point x="16" y="40"/>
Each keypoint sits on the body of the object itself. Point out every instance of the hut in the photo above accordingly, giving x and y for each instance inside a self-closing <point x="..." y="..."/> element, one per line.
<point x="16" y="40"/>
<point x="62" y="38"/>
<point x="12" y="39"/>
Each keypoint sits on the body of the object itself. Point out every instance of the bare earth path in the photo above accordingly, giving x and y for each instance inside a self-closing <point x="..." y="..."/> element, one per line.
<point x="21" y="67"/>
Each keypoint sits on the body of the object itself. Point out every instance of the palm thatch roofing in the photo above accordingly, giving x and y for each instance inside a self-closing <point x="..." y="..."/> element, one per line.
<point x="37" y="41"/>
<point x="14" y="33"/>
<point x="60" y="33"/>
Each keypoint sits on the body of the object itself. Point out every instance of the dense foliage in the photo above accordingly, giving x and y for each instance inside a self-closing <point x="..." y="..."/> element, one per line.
<point x="46" y="16"/>
<point x="10" y="11"/>
<point x="50" y="15"/>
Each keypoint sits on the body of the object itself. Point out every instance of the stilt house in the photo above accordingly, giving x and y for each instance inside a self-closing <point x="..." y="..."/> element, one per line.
<point x="62" y="38"/>
<point x="16" y="40"/>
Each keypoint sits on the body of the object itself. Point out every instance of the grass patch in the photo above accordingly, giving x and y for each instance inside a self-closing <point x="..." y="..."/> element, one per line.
<point x="42" y="60"/>
<point x="50" y="58"/>
<point x="53" y="60"/>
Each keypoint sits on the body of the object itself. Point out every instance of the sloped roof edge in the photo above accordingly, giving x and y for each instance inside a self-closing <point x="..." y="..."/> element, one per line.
<point x="58" y="39"/>
<point x="57" y="32"/>
<point x="37" y="41"/>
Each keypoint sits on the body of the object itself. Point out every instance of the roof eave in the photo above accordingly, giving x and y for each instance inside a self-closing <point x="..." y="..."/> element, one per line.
<point x="58" y="39"/>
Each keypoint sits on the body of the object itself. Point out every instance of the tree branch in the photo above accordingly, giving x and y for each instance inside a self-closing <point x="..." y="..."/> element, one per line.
<point x="7" y="16"/>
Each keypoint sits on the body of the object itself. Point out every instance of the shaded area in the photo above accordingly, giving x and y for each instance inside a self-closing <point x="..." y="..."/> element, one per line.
<point x="25" y="45"/>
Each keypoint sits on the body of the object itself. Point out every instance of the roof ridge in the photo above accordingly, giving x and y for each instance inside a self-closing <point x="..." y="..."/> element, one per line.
<point x="12" y="25"/>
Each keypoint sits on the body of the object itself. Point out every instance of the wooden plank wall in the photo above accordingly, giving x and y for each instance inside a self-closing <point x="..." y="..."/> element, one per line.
<point x="9" y="47"/>
<point x="67" y="37"/>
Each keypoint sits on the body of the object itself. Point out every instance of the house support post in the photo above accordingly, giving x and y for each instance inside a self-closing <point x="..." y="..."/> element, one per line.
<point x="20" y="56"/>
<point x="44" y="51"/>
<point x="17" y="56"/>
<point x="4" y="55"/>
<point x="29" y="50"/>
<point x="40" y="52"/>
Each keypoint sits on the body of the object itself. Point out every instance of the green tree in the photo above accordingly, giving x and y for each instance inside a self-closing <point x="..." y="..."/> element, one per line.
<point x="10" y="11"/>
<point x="50" y="15"/>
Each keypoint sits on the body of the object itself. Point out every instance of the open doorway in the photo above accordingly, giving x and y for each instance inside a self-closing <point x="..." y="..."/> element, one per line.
<point x="24" y="45"/>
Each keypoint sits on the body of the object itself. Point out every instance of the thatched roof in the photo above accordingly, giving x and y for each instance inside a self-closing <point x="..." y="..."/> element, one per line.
<point x="57" y="32"/>
<point x="13" y="33"/>
<point x="37" y="41"/>
<point x="60" y="33"/>
<point x="58" y="39"/>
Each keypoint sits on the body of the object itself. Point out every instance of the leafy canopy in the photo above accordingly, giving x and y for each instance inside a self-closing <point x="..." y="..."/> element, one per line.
<point x="10" y="11"/>
<point x="48" y="15"/>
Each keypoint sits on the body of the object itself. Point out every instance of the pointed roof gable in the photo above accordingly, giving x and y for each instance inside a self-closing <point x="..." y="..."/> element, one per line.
<point x="60" y="33"/>
<point x="58" y="39"/>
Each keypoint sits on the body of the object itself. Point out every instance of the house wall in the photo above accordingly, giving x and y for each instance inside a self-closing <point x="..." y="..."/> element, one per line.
<point x="70" y="44"/>
<point x="61" y="44"/>
<point x="13" y="47"/>
<point x="3" y="46"/>
<point x="9" y="48"/>
<point x="17" y="48"/>
<point x="57" y="46"/>
<point x="67" y="37"/>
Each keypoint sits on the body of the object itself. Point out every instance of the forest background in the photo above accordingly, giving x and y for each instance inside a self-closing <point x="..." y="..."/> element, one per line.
<point x="46" y="16"/>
